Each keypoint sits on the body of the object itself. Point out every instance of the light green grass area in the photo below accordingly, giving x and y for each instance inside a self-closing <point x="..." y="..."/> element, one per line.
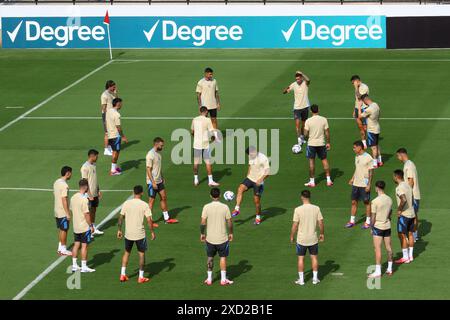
<point x="161" y="83"/>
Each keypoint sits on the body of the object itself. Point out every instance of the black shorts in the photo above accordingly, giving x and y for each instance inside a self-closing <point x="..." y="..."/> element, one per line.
<point x="115" y="143"/>
<point x="104" y="122"/>
<point x="153" y="192"/>
<point x="212" y="113"/>
<point x="301" y="114"/>
<point x="372" y="139"/>
<point x="222" y="249"/>
<point x="62" y="224"/>
<point x="257" y="190"/>
<point x="312" y="151"/>
<point x="381" y="233"/>
<point x="313" y="250"/>
<point x="141" y="245"/>
<point x="360" y="194"/>
<point x="94" y="203"/>
<point x="85" y="237"/>
<point x="405" y="225"/>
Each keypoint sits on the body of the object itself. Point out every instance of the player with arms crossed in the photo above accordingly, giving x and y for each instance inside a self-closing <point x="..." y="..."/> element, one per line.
<point x="318" y="134"/>
<point x="410" y="172"/>
<point x="155" y="180"/>
<point x="360" y="89"/>
<point x="213" y="232"/>
<point x="106" y="100"/>
<point x="407" y="219"/>
<point x="208" y="95"/>
<point x="361" y="182"/>
<point x="134" y="211"/>
<point x="301" y="103"/>
<point x="258" y="171"/>
<point x="381" y="208"/>
<point x="115" y="134"/>
<point x="307" y="218"/>
<point x="61" y="209"/>
<point x="372" y="114"/>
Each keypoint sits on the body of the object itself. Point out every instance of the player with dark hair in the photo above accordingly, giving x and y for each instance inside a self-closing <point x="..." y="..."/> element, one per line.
<point x="106" y="100"/>
<point x="372" y="116"/>
<point x="61" y="209"/>
<point x="115" y="134"/>
<point x="360" y="89"/>
<point x="208" y="95"/>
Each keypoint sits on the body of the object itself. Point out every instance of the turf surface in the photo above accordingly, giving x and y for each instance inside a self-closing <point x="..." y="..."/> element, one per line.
<point x="406" y="84"/>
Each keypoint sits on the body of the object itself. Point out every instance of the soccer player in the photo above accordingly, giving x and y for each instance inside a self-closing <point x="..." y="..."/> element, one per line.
<point x="372" y="114"/>
<point x="410" y="172"/>
<point x="318" y="134"/>
<point x="201" y="129"/>
<point x="208" y="95"/>
<point x="82" y="226"/>
<point x="258" y="171"/>
<point x="89" y="172"/>
<point x="134" y="211"/>
<point x="360" y="89"/>
<point x="301" y="103"/>
<point x="155" y="180"/>
<point x="361" y="182"/>
<point x="106" y="100"/>
<point x="307" y="218"/>
<point x="62" y="213"/>
<point x="381" y="228"/>
<point x="406" y="217"/>
<point x="115" y="134"/>
<point x="213" y="231"/>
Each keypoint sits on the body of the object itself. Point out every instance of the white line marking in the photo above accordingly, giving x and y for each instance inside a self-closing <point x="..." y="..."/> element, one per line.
<point x="54" y="96"/>
<point x="337" y="274"/>
<point x="60" y="259"/>
<point x="14" y="107"/>
<point x="51" y="190"/>
<point x="282" y="60"/>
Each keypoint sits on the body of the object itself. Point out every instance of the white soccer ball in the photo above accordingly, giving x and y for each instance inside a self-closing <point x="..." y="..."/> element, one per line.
<point x="296" y="148"/>
<point x="228" y="195"/>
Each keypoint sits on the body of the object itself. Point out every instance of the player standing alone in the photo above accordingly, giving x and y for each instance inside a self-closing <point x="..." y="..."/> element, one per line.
<point x="372" y="114"/>
<point x="115" y="134"/>
<point x="208" y="95"/>
<point x="62" y="213"/>
<point x="106" y="100"/>
<point x="360" y="89"/>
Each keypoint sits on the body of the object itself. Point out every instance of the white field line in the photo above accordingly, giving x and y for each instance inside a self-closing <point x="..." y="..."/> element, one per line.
<point x="282" y="60"/>
<point x="51" y="190"/>
<point x="59" y="260"/>
<point x="220" y="118"/>
<point x="23" y="115"/>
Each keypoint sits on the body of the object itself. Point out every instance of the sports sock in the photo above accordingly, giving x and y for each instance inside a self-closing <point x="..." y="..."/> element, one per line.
<point x="328" y="179"/>
<point x="166" y="215"/>
<point x="223" y="275"/>
<point x="380" y="159"/>
<point x="364" y="143"/>
<point x="83" y="264"/>
<point x="141" y="273"/>
<point x="74" y="262"/>
<point x="368" y="220"/>
<point x="210" y="178"/>
<point x="196" y="178"/>
<point x="389" y="268"/>
<point x="123" y="271"/>
<point x="352" y="219"/>
<point x="405" y="253"/>
<point x="300" y="276"/>
<point x="236" y="208"/>
<point x="59" y="246"/>
<point x="113" y="166"/>
<point x="258" y="217"/>
<point x="209" y="275"/>
<point x="63" y="248"/>
<point x="315" y="273"/>
<point x="311" y="180"/>
<point x="299" y="140"/>
<point x="411" y="251"/>
<point x="378" y="269"/>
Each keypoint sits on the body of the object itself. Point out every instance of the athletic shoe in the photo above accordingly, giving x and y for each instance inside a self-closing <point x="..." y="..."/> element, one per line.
<point x="329" y="183"/>
<point x="107" y="152"/>
<point x="350" y="224"/>
<point x="315" y="281"/>
<point x="207" y="282"/>
<point x="235" y="213"/>
<point x="411" y="259"/>
<point x="389" y="273"/>
<point x="115" y="173"/>
<point x="171" y="221"/>
<point x="196" y="183"/>
<point x="401" y="261"/>
<point x="257" y="222"/>
<point x="98" y="232"/>
<point x="300" y="282"/>
<point x="118" y="169"/>
<point x="76" y="268"/>
<point x="143" y="279"/>
<point x="65" y="253"/>
<point x="226" y="282"/>
<point x="374" y="275"/>
<point x="87" y="270"/>
<point x="310" y="184"/>
<point x="365" y="226"/>
<point x="123" y="278"/>
<point x="213" y="184"/>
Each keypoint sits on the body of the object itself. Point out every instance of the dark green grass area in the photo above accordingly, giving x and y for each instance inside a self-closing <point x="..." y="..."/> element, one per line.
<point x="262" y="261"/>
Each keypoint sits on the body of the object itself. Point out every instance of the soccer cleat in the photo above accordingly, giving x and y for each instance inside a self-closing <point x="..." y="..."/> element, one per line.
<point x="155" y="225"/>
<point x="365" y="226"/>
<point x="257" y="222"/>
<point x="374" y="275"/>
<point x="123" y="278"/>
<point x="170" y="221"/>
<point x="76" y="268"/>
<point x="329" y="183"/>
<point x="196" y="183"/>
<point x="207" y="282"/>
<point x="315" y="281"/>
<point x="402" y="261"/>
<point x="350" y="224"/>
<point x="300" y="282"/>
<point x="389" y="273"/>
<point x="98" y="232"/>
<point x="226" y="282"/>
<point x="66" y="253"/>
<point x="143" y="279"/>
<point x="87" y="270"/>
<point x="115" y="173"/>
<point x="118" y="169"/>
<point x="235" y="213"/>
<point x="310" y="184"/>
<point x="411" y="259"/>
<point x="213" y="184"/>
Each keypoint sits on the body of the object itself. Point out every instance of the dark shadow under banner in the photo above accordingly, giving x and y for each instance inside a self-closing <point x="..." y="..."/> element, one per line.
<point x="417" y="32"/>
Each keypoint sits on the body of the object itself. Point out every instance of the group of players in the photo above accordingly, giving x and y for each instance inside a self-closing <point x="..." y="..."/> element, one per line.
<point x="216" y="223"/>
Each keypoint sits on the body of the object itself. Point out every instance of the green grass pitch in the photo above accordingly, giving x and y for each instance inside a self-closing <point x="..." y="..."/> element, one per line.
<point x="406" y="84"/>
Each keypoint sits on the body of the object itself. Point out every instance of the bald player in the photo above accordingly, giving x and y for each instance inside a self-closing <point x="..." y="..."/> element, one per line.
<point x="208" y="95"/>
<point x="216" y="218"/>
<point x="407" y="219"/>
<point x="134" y="212"/>
<point x="307" y="218"/>
<point x="360" y="89"/>
<point x="361" y="182"/>
<point x="202" y="129"/>
<point x="318" y="134"/>
<point x="155" y="180"/>
<point x="258" y="171"/>
<point x="381" y="209"/>
<point x="89" y="172"/>
<point x="106" y="100"/>
<point x="115" y="134"/>
<point x="372" y="115"/>
<point x="301" y="103"/>
<point x="412" y="177"/>
<point x="61" y="209"/>
<point x="82" y="226"/>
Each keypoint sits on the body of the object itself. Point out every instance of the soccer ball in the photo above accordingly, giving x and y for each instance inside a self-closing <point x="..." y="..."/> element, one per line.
<point x="296" y="148"/>
<point x="228" y="195"/>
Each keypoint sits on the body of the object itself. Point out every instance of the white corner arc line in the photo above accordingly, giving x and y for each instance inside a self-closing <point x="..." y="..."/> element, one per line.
<point x="58" y="261"/>
<point x="23" y="115"/>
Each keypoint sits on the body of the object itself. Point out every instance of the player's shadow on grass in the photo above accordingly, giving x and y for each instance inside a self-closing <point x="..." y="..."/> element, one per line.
<point x="155" y="268"/>
<point x="386" y="156"/>
<point x="174" y="213"/>
<point x="103" y="258"/>
<point x="235" y="270"/>
<point x="334" y="172"/>
<point x="110" y="223"/>
<point x="266" y="214"/>
<point x="324" y="270"/>
<point x="129" y="144"/>
<point x="130" y="164"/>
<point x="218" y="175"/>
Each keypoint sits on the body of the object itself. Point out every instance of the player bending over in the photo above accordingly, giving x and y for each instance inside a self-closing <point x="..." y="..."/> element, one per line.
<point x="106" y="100"/>
<point x="115" y="134"/>
<point x="372" y="114"/>
<point x="61" y="209"/>
<point x="360" y="89"/>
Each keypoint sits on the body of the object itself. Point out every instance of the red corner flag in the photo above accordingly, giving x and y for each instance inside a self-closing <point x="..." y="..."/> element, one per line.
<point x="106" y="20"/>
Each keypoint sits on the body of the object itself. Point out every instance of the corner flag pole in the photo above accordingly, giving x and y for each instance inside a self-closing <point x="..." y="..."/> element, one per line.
<point x="106" y="21"/>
